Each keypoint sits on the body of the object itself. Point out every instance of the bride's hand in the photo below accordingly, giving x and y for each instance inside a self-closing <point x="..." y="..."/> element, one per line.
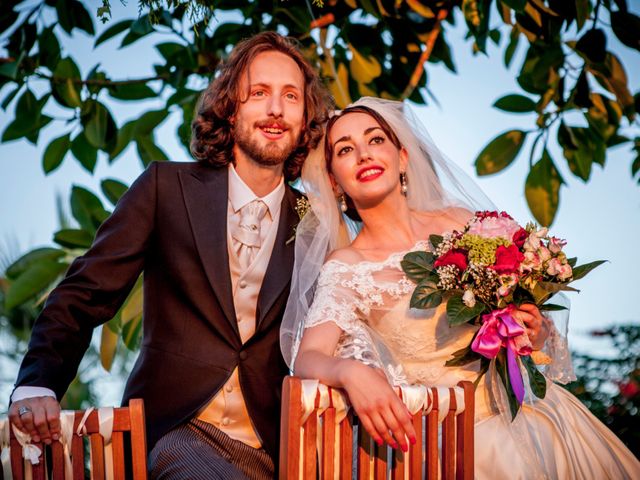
<point x="380" y="410"/>
<point x="536" y="325"/>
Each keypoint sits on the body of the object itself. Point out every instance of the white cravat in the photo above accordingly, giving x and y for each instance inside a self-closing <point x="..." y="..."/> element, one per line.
<point x="247" y="233"/>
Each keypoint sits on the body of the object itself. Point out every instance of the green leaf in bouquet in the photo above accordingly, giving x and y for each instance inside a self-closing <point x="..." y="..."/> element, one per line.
<point x="484" y="368"/>
<point x="582" y="270"/>
<point x="435" y="240"/>
<point x="572" y="261"/>
<point x="501" y="367"/>
<point x="426" y="295"/>
<point x="544" y="290"/>
<point x="551" y="307"/>
<point x="536" y="379"/>
<point x="462" y="357"/>
<point x="458" y="313"/>
<point x="417" y="265"/>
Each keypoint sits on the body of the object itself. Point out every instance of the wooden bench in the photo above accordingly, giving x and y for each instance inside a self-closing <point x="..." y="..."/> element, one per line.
<point x="316" y="443"/>
<point x="129" y="419"/>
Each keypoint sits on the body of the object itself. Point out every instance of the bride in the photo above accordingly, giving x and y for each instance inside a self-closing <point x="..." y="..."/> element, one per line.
<point x="378" y="188"/>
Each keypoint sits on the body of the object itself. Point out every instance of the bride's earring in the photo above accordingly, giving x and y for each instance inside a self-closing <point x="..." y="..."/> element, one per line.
<point x="342" y="203"/>
<point x="403" y="183"/>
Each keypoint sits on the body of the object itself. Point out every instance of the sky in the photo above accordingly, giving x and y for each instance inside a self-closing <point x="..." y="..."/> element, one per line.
<point x="600" y="219"/>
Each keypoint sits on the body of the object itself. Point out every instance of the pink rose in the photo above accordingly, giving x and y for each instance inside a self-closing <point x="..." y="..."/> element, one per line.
<point x="531" y="262"/>
<point x="556" y="244"/>
<point x="508" y="259"/>
<point x="566" y="272"/>
<point x="543" y="253"/>
<point x="520" y="237"/>
<point x="455" y="256"/>
<point x="494" y="227"/>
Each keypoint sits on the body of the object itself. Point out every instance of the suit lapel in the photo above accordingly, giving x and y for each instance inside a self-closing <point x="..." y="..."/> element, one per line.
<point x="205" y="193"/>
<point x="278" y="274"/>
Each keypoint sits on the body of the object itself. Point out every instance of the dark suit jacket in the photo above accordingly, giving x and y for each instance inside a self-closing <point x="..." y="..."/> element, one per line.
<point x="171" y="224"/>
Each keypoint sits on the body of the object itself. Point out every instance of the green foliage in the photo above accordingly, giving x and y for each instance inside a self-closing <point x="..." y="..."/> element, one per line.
<point x="610" y="386"/>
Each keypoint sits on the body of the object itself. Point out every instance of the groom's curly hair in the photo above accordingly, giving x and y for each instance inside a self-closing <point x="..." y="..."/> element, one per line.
<point x="212" y="132"/>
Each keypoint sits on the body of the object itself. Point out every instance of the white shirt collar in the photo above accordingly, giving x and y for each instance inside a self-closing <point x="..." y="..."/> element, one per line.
<point x="240" y="194"/>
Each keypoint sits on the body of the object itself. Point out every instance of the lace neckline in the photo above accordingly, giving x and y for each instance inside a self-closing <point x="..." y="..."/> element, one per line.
<point x="392" y="259"/>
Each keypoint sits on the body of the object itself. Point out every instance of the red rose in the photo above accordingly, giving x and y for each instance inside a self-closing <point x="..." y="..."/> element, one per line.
<point x="629" y="389"/>
<point x="508" y="259"/>
<point x="520" y="237"/>
<point x="455" y="256"/>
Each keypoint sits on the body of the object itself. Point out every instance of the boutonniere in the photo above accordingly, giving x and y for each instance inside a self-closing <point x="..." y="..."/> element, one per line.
<point x="302" y="207"/>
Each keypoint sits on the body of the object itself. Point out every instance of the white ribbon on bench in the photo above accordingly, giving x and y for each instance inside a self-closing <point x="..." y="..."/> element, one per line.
<point x="415" y="397"/>
<point x="30" y="452"/>
<point x="5" y="455"/>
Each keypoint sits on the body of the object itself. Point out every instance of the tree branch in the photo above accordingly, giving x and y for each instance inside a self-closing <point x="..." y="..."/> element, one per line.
<point x="426" y="53"/>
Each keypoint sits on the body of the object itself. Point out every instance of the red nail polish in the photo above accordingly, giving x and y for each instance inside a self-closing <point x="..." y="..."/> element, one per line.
<point x="378" y="441"/>
<point x="405" y="448"/>
<point x="394" y="445"/>
<point x="413" y="440"/>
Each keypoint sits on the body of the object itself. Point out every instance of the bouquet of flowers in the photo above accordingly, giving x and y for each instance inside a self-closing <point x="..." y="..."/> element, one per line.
<point x="484" y="272"/>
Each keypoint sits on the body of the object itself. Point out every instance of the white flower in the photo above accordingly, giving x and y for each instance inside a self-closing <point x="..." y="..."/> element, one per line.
<point x="469" y="299"/>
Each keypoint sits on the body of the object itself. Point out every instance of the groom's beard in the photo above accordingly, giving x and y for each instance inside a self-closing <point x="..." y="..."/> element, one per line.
<point x="269" y="155"/>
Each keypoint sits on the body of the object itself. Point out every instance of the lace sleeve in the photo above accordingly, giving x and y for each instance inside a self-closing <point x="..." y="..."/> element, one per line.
<point x="338" y="299"/>
<point x="557" y="347"/>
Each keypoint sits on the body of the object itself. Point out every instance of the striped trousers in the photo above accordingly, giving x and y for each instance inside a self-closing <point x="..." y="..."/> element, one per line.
<point x="198" y="450"/>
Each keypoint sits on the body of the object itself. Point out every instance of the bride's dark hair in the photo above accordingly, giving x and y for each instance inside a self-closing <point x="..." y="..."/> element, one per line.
<point x="351" y="212"/>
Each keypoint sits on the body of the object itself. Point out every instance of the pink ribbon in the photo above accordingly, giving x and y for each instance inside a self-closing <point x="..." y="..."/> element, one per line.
<point x="499" y="329"/>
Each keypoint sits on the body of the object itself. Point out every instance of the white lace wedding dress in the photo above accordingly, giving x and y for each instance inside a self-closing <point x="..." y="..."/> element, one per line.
<point x="555" y="438"/>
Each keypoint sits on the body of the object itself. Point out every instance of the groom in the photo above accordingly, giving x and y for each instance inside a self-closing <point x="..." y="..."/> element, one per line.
<point x="211" y="239"/>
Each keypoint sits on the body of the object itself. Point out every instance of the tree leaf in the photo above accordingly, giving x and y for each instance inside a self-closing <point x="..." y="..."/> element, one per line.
<point x="593" y="44"/>
<point x="514" y="39"/>
<point x="542" y="190"/>
<point x="536" y="379"/>
<point x="27" y="117"/>
<point x="84" y="152"/>
<point x="112" y="31"/>
<point x="458" y="313"/>
<point x="517" y="5"/>
<point x="108" y="347"/>
<point x="500" y="152"/>
<point x="417" y="265"/>
<point x="364" y="69"/>
<point x="113" y="189"/>
<point x="515" y="104"/>
<point x="73" y="238"/>
<point x="626" y="27"/>
<point x="64" y="90"/>
<point x="583" y="9"/>
<point x="136" y="91"/>
<point x="582" y="270"/>
<point x="55" y="152"/>
<point x="32" y="281"/>
<point x="148" y="121"/>
<point x="31" y="258"/>
<point x="124" y="137"/>
<point x="149" y="151"/>
<point x="99" y="126"/>
<point x="87" y="209"/>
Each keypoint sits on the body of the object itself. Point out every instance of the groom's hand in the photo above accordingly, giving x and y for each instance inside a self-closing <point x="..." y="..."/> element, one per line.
<point x="37" y="416"/>
<point x="380" y="410"/>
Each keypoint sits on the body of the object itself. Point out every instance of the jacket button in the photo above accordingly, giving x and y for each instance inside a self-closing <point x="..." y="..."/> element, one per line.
<point x="243" y="284"/>
<point x="243" y="355"/>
